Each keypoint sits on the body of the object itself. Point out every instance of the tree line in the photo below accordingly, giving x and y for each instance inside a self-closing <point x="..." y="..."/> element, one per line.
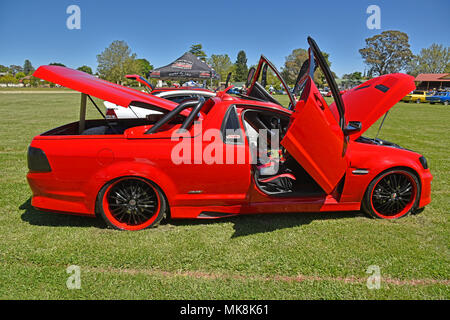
<point x="387" y="52"/>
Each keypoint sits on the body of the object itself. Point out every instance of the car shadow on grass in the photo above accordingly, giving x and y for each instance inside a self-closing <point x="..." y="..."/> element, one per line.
<point x="41" y="218"/>
<point x="243" y="225"/>
<point x="261" y="223"/>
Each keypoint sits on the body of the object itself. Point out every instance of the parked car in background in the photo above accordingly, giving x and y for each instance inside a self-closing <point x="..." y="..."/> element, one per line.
<point x="177" y="95"/>
<point x="436" y="98"/>
<point x="235" y="90"/>
<point x="323" y="92"/>
<point x="417" y="96"/>
<point x="445" y="98"/>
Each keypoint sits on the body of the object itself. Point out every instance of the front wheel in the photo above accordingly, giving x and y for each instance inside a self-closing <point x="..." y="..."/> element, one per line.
<point x="131" y="203"/>
<point x="446" y="103"/>
<point x="392" y="194"/>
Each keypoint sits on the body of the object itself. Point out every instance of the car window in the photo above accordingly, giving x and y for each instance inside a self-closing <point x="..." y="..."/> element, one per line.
<point x="231" y="127"/>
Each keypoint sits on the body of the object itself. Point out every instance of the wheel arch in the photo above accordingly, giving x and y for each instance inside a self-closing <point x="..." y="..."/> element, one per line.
<point x="399" y="167"/>
<point x="409" y="170"/>
<point x="129" y="169"/>
<point x="356" y="185"/>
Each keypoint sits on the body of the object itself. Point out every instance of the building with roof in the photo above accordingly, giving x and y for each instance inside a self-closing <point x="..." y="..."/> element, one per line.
<point x="430" y="81"/>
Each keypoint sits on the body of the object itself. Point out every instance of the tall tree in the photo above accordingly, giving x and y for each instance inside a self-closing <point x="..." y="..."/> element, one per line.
<point x="116" y="61"/>
<point x="353" y="76"/>
<point x="3" y="68"/>
<point x="434" y="59"/>
<point x="86" y="69"/>
<point x="28" y="67"/>
<point x="240" y="67"/>
<point x="294" y="62"/>
<point x="197" y="49"/>
<point x="144" y="67"/>
<point x="387" y="52"/>
<point x="13" y="69"/>
<point x="222" y="64"/>
<point x="292" y="65"/>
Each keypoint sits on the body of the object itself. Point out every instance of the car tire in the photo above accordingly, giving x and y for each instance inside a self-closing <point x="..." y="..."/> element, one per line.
<point x="446" y="103"/>
<point x="418" y="101"/>
<point x="131" y="203"/>
<point x="392" y="194"/>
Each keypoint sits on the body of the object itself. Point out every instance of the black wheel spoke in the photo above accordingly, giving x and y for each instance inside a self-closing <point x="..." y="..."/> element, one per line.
<point x="392" y="194"/>
<point x="132" y="201"/>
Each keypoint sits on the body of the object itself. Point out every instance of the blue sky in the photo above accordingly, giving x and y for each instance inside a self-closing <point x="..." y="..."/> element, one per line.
<point x="161" y="31"/>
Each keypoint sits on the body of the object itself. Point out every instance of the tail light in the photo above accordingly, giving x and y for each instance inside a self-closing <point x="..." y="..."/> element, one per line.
<point x="110" y="114"/>
<point x="37" y="160"/>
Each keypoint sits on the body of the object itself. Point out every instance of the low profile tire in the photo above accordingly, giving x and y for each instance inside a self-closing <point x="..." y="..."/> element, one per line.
<point x="131" y="203"/>
<point x="392" y="194"/>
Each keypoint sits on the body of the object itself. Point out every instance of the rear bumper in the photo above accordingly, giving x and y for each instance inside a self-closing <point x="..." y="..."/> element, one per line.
<point x="50" y="195"/>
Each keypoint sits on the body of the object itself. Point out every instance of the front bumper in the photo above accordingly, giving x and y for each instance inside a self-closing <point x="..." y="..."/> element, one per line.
<point x="425" y="194"/>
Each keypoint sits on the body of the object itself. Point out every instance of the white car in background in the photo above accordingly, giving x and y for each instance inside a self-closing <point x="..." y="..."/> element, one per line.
<point x="177" y="95"/>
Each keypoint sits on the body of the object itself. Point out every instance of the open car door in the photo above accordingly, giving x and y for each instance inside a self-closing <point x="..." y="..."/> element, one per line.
<point x="257" y="80"/>
<point x="315" y="137"/>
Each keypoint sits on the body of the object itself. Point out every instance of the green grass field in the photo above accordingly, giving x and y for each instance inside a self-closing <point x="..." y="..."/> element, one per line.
<point x="278" y="256"/>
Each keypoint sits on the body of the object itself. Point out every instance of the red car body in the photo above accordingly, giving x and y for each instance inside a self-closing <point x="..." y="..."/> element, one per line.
<point x="333" y="168"/>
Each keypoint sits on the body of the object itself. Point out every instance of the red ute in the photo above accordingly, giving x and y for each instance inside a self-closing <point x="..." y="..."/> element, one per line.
<point x="228" y="155"/>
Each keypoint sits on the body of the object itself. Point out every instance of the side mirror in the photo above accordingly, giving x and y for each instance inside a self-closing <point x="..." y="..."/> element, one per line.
<point x="352" y="127"/>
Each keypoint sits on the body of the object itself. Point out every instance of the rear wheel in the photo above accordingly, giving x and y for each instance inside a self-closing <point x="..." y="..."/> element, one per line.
<point x="131" y="203"/>
<point x="392" y="194"/>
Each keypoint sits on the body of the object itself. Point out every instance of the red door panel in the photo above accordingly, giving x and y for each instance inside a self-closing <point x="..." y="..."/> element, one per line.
<point x="315" y="139"/>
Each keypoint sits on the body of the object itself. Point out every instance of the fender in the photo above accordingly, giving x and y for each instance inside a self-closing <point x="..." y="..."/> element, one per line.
<point x="364" y="156"/>
<point x="131" y="168"/>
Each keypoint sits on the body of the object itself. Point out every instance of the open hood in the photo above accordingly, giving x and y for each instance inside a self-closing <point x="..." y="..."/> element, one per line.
<point x="369" y="101"/>
<point x="90" y="85"/>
